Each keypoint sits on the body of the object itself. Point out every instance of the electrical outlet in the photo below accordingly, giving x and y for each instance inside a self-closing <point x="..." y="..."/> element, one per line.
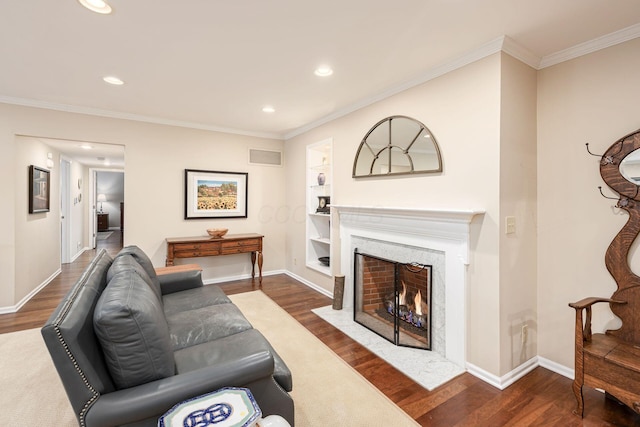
<point x="524" y="333"/>
<point x="510" y="225"/>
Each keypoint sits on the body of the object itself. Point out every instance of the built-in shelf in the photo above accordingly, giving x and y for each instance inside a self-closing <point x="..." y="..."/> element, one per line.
<point x="321" y="168"/>
<point x="323" y="240"/>
<point x="318" y="236"/>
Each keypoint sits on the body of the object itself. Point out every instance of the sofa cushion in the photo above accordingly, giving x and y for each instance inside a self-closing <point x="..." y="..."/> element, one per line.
<point x="205" y="324"/>
<point x="125" y="262"/>
<point x="231" y="348"/>
<point x="190" y="299"/>
<point x="133" y="332"/>
<point x="143" y="260"/>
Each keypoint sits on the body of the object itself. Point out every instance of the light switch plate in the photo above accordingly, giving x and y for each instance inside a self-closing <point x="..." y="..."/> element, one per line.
<point x="510" y="225"/>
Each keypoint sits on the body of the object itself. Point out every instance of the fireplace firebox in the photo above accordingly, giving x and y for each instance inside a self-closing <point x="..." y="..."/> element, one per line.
<point x="393" y="299"/>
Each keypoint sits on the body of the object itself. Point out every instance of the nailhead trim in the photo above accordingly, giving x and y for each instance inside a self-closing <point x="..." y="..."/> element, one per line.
<point x="56" y="325"/>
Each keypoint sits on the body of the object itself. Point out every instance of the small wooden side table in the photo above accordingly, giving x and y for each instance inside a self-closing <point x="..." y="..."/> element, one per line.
<point x="205" y="246"/>
<point x="103" y="221"/>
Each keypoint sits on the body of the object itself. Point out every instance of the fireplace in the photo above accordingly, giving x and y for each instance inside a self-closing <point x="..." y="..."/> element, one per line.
<point x="440" y="238"/>
<point x="393" y="299"/>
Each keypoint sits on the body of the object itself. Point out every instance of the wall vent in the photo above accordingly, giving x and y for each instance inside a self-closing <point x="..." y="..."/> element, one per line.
<point x="265" y="157"/>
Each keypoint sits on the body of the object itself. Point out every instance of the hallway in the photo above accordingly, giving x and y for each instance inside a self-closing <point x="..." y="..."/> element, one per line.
<point x="38" y="309"/>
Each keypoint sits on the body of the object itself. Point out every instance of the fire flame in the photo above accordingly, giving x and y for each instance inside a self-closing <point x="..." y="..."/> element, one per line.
<point x="401" y="300"/>
<point x="418" y="303"/>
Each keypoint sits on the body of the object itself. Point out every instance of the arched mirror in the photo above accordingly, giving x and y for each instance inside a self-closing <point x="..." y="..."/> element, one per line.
<point x="397" y="145"/>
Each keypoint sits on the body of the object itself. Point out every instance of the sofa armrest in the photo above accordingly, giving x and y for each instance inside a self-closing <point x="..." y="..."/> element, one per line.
<point x="180" y="281"/>
<point x="155" y="398"/>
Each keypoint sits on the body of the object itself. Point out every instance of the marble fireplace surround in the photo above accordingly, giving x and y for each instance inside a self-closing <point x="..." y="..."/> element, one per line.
<point x="444" y="233"/>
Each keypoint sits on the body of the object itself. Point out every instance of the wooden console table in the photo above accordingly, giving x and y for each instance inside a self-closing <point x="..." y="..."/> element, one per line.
<point x="202" y="246"/>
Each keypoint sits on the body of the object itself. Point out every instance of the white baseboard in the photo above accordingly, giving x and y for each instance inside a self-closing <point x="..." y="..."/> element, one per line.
<point x="240" y="277"/>
<point x="519" y="372"/>
<point x="80" y="252"/>
<point x="507" y="379"/>
<point x="312" y="285"/>
<point x="556" y="367"/>
<point x="23" y="301"/>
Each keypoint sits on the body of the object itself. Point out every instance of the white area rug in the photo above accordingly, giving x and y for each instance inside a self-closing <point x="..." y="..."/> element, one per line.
<point x="32" y="394"/>
<point x="427" y="368"/>
<point x="326" y="390"/>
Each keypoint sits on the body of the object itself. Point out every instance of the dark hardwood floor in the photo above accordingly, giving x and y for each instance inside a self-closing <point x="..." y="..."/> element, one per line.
<point x="541" y="398"/>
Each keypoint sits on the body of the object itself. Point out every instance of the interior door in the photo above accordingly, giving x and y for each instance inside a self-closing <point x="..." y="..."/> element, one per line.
<point x="65" y="226"/>
<point x="93" y="184"/>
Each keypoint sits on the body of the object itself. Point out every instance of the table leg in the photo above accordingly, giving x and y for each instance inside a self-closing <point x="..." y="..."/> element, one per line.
<point x="253" y="265"/>
<point x="260" y="265"/>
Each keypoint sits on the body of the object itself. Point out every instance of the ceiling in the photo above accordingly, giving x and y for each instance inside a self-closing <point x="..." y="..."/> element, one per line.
<point x="214" y="64"/>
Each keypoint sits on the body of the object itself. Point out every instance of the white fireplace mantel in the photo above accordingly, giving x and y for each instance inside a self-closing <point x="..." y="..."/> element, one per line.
<point x="448" y="215"/>
<point x="446" y="231"/>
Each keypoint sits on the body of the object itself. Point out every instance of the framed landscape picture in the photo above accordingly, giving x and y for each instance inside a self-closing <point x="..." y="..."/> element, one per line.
<point x="215" y="194"/>
<point x="39" y="189"/>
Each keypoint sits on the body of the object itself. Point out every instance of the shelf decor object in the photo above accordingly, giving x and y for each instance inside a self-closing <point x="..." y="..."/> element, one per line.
<point x="215" y="194"/>
<point x="324" y="204"/>
<point x="217" y="233"/>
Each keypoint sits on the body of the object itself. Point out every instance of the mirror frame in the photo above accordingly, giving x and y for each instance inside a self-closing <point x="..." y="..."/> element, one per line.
<point x="617" y="255"/>
<point x="390" y="145"/>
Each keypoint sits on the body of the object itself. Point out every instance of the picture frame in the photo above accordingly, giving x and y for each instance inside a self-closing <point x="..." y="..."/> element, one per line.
<point x="215" y="194"/>
<point x="39" y="189"/>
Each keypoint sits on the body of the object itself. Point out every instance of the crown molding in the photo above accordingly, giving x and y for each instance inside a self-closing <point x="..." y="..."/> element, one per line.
<point x="596" y="44"/>
<point x="480" y="52"/>
<point x="521" y="53"/>
<point x="505" y="44"/>
<point x="25" y="102"/>
<point x="499" y="44"/>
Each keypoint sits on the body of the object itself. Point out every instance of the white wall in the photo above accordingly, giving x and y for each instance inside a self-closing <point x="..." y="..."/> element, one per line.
<point x="462" y="110"/>
<point x="38" y="246"/>
<point x="156" y="157"/>
<point x="594" y="99"/>
<point x="518" y="260"/>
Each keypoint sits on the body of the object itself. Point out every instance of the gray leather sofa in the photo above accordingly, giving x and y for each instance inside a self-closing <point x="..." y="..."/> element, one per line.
<point x="129" y="345"/>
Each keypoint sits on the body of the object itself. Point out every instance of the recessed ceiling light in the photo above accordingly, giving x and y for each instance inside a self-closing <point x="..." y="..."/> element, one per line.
<point x="112" y="80"/>
<point x="98" y="6"/>
<point x="86" y="147"/>
<point x="323" y="71"/>
<point x="268" y="109"/>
